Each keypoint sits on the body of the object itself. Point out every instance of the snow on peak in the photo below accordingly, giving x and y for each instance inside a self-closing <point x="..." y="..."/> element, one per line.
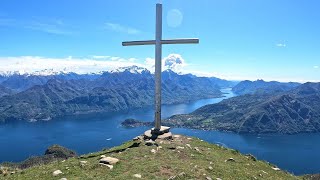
<point x="52" y="72"/>
<point x="131" y="69"/>
<point x="44" y="72"/>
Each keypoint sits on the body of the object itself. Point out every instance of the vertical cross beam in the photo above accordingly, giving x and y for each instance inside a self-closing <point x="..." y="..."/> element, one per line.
<point x="158" y="42"/>
<point x="158" y="67"/>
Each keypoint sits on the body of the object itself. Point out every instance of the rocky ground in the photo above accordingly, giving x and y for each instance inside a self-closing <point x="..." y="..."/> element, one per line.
<point x="179" y="158"/>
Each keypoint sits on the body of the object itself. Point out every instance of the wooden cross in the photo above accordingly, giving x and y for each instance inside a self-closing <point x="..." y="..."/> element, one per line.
<point x="158" y="53"/>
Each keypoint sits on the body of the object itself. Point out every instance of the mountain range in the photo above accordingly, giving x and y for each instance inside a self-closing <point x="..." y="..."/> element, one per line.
<point x="290" y="112"/>
<point x="260" y="86"/>
<point x="37" y="97"/>
<point x="5" y="91"/>
<point x="21" y="82"/>
<point x="262" y="107"/>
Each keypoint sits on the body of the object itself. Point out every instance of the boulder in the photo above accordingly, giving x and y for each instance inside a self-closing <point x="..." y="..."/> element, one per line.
<point x="197" y="149"/>
<point x="57" y="173"/>
<point x="137" y="176"/>
<point x="165" y="136"/>
<point x="179" y="147"/>
<point x="150" y="143"/>
<point x="109" y="160"/>
<point x="108" y="165"/>
<point x="176" y="136"/>
<point x="162" y="134"/>
<point x="230" y="160"/>
<point x="162" y="130"/>
<point x="137" y="138"/>
<point x="189" y="146"/>
<point x="276" y="169"/>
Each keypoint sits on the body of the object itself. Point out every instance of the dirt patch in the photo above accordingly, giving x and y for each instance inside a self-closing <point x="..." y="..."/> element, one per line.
<point x="166" y="171"/>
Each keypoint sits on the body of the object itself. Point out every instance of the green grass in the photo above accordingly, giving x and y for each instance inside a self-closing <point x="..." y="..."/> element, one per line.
<point x="163" y="164"/>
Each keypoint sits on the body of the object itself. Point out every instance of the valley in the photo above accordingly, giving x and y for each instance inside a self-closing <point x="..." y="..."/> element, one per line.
<point x="48" y="97"/>
<point x="98" y="126"/>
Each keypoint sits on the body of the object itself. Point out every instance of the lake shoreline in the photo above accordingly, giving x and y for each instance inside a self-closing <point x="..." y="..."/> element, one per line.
<point x="91" y="133"/>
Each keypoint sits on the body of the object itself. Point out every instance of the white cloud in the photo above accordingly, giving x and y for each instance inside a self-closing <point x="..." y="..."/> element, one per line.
<point x="32" y="64"/>
<point x="174" y="62"/>
<point x="281" y="45"/>
<point x="92" y="64"/>
<point x="316" y="67"/>
<point x="149" y="62"/>
<point x="132" y="59"/>
<point x="121" y="28"/>
<point x="97" y="63"/>
<point x="101" y="57"/>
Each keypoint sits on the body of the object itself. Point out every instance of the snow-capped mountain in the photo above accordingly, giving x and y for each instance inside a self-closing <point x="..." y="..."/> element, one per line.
<point x="131" y="69"/>
<point x="20" y="81"/>
<point x="44" y="72"/>
<point x="53" y="72"/>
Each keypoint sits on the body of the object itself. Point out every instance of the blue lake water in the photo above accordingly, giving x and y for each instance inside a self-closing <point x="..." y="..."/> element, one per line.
<point x="298" y="154"/>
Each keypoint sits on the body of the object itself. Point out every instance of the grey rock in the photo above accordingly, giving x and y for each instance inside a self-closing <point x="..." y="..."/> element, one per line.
<point x="230" y="160"/>
<point x="57" y="173"/>
<point x="150" y="143"/>
<point x="137" y="176"/>
<point x="276" y="169"/>
<point x="109" y="160"/>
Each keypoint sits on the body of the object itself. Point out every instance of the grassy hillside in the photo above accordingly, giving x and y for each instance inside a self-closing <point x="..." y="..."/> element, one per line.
<point x="181" y="158"/>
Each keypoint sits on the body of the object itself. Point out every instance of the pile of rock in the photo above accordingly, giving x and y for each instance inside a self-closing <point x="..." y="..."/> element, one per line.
<point x="162" y="133"/>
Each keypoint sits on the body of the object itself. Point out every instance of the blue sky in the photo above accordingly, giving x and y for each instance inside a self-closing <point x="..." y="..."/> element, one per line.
<point x="247" y="39"/>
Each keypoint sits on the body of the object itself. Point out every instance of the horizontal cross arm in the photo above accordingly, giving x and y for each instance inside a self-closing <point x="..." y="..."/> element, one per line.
<point x="138" y="43"/>
<point x="180" y="41"/>
<point x="169" y="41"/>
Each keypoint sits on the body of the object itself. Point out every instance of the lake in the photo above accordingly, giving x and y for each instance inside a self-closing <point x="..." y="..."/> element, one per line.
<point x="298" y="154"/>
